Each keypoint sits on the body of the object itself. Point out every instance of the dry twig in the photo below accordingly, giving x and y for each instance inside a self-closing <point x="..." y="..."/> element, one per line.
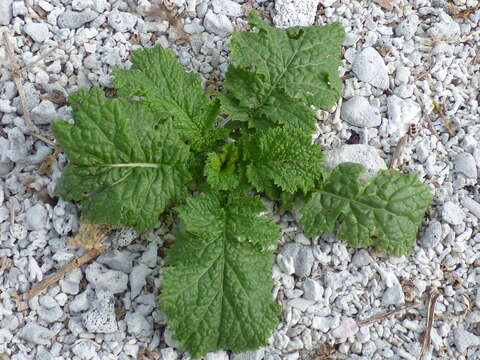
<point x="89" y="237"/>
<point x="21" y="91"/>
<point x="78" y="261"/>
<point x="384" y="315"/>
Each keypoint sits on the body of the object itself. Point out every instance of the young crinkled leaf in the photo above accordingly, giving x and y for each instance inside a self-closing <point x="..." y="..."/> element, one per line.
<point x="221" y="169"/>
<point x="283" y="157"/>
<point x="170" y="92"/>
<point x="278" y="73"/>
<point x="217" y="291"/>
<point x="124" y="166"/>
<point x="385" y="212"/>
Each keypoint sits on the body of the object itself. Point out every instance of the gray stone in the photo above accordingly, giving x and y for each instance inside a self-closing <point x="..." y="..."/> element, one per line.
<point x="404" y="91"/>
<point x="472" y="206"/>
<point x="402" y="75"/>
<point x="5" y="336"/>
<point x="301" y="304"/>
<point x="335" y="280"/>
<point x="408" y="27"/>
<point x="122" y="21"/>
<point x="452" y="213"/>
<point x="70" y="284"/>
<point x="150" y="256"/>
<point x="465" y="164"/>
<point x="80" y="302"/>
<point x="18" y="8"/>
<point x="217" y="355"/>
<point x="295" y="12"/>
<point x="51" y="315"/>
<point x="195" y="27"/>
<point x="465" y="339"/>
<point x="444" y="28"/>
<point x="312" y="290"/>
<point x="357" y="111"/>
<point x="137" y="324"/>
<point x="249" y="355"/>
<point x="79" y="5"/>
<point x="73" y="19"/>
<point x="432" y="235"/>
<point x="101" y="318"/>
<point x="5" y="12"/>
<point x="168" y="336"/>
<point x="361" y="258"/>
<point x="370" y="68"/>
<point x="394" y="295"/>
<point x="227" y="7"/>
<point x="347" y="329"/>
<point x="302" y="258"/>
<point x="103" y="279"/>
<point x="217" y="24"/>
<point x="44" y="112"/>
<point x="117" y="260"/>
<point x="36" y="217"/>
<point x="322" y="323"/>
<point x="85" y="350"/>
<point x="366" y="155"/>
<point x="36" y="334"/>
<point x="138" y="280"/>
<point x="37" y="31"/>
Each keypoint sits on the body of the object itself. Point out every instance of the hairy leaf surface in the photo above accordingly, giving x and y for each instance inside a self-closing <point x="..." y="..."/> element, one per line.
<point x="385" y="212"/>
<point x="163" y="86"/>
<point x="217" y="290"/>
<point x="124" y="166"/>
<point x="277" y="74"/>
<point x="283" y="157"/>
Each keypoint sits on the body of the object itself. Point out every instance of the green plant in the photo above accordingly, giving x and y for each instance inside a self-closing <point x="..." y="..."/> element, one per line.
<point x="157" y="145"/>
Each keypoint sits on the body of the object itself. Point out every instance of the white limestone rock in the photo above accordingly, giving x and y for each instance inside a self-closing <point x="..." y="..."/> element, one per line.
<point x="357" y="111"/>
<point x="369" y="67"/>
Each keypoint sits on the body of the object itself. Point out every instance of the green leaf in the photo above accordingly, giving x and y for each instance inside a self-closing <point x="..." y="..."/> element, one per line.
<point x="385" y="212"/>
<point x="217" y="290"/>
<point x="221" y="169"/>
<point x="167" y="90"/>
<point x="124" y="166"/>
<point x="283" y="157"/>
<point x="277" y="74"/>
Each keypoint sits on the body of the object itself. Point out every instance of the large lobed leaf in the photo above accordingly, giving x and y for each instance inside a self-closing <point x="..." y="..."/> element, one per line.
<point x="163" y="85"/>
<point x="385" y="212"/>
<point x="277" y="74"/>
<point x="217" y="290"/>
<point x="124" y="166"/>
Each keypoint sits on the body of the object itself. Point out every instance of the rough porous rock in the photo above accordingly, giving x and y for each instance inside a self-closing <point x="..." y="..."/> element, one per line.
<point x="101" y="318"/>
<point x="452" y="213"/>
<point x="401" y="114"/>
<point x="295" y="12"/>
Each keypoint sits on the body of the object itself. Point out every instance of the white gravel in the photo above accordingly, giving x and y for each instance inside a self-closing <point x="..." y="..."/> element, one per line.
<point x="399" y="57"/>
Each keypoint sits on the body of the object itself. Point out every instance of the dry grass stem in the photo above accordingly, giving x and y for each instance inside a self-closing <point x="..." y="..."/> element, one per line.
<point x="384" y="315"/>
<point x="395" y="162"/>
<point x="21" y="91"/>
<point x="432" y="299"/>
